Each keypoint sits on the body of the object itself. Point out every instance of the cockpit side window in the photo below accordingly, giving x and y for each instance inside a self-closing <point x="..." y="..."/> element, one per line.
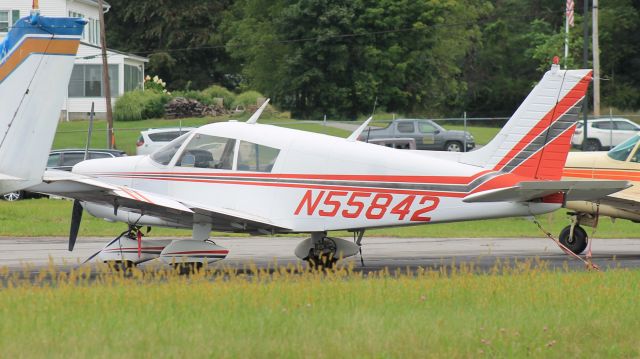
<point x="164" y="155"/>
<point x="204" y="151"/>
<point x="257" y="158"/>
<point x="622" y="151"/>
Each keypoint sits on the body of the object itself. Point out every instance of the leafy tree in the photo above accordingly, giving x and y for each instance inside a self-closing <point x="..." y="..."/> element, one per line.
<point x="318" y="57"/>
<point x="181" y="38"/>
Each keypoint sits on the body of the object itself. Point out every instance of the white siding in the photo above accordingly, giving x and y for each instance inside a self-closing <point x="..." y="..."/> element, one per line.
<point x="47" y="7"/>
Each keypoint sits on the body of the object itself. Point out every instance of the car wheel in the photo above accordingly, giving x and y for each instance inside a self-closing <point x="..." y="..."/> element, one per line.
<point x="453" y="146"/>
<point x="13" y="196"/>
<point x="592" y="145"/>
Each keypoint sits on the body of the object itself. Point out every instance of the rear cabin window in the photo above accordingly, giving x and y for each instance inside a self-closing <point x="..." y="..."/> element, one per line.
<point x="257" y="158"/>
<point x="204" y="151"/>
<point x="164" y="155"/>
<point x="406" y="127"/>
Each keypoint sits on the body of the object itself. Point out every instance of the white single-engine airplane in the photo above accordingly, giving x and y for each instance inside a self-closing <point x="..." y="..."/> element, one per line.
<point x="36" y="59"/>
<point x="248" y="177"/>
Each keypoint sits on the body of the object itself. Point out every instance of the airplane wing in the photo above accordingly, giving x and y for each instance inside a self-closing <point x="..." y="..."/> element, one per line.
<point x="531" y="190"/>
<point x="87" y="189"/>
<point x="623" y="200"/>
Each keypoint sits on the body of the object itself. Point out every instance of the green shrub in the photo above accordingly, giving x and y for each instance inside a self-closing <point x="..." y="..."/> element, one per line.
<point x="140" y="105"/>
<point x="247" y="98"/>
<point x="216" y="91"/>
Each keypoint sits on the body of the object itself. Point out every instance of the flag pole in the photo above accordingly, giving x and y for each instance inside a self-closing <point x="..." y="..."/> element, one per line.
<point x="566" y="39"/>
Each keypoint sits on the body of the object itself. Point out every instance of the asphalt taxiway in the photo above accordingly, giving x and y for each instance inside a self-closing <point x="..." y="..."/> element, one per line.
<point x="393" y="253"/>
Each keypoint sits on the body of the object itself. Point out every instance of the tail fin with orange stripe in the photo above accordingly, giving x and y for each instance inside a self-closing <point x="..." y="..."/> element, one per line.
<point x="36" y="59"/>
<point x="536" y="140"/>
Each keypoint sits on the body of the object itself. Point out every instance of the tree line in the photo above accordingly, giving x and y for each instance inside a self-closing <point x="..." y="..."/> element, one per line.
<point x="340" y="57"/>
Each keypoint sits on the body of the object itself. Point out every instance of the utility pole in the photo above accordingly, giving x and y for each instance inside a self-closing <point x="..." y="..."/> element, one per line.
<point x="596" y="62"/>
<point x="585" y="64"/>
<point x="106" y="85"/>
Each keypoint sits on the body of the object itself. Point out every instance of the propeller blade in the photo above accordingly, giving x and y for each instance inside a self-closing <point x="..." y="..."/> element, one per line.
<point x="139" y="235"/>
<point x="76" y="218"/>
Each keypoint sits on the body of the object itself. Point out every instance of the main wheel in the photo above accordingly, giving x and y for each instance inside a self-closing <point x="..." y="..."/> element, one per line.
<point x="188" y="268"/>
<point x="592" y="145"/>
<point x="120" y="266"/>
<point x="578" y="243"/>
<point x="13" y="196"/>
<point x="453" y="146"/>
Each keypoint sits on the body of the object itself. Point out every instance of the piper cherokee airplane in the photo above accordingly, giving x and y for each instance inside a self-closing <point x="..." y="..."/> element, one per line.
<point x="37" y="57"/>
<point x="262" y="179"/>
<point x="621" y="162"/>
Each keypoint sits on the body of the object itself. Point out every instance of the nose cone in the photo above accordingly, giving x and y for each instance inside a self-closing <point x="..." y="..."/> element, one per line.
<point x="107" y="166"/>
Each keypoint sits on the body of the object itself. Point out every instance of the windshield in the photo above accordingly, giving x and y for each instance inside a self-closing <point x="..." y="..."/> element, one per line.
<point x="621" y="152"/>
<point x="164" y="155"/>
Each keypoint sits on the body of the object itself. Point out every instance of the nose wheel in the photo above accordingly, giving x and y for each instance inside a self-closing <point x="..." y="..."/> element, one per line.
<point x="575" y="239"/>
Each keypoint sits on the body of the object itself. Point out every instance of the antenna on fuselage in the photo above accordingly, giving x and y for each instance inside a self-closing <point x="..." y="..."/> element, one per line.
<point x="354" y="136"/>
<point x="256" y="115"/>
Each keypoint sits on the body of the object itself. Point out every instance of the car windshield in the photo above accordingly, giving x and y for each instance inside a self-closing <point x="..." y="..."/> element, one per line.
<point x="164" y="155"/>
<point x="621" y="152"/>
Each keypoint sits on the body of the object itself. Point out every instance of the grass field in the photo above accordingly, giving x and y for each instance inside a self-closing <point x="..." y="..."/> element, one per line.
<point x="45" y="217"/>
<point x="521" y="313"/>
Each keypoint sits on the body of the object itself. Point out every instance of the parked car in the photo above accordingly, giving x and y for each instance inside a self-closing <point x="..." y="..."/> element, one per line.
<point x="155" y="138"/>
<point x="604" y="133"/>
<point x="427" y="135"/>
<point x="64" y="160"/>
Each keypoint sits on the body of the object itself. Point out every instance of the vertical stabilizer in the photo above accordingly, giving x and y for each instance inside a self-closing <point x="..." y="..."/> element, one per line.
<point x="536" y="140"/>
<point x="36" y="60"/>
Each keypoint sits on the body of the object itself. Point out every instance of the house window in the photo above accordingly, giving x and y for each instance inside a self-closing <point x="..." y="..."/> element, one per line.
<point x="91" y="33"/>
<point x="132" y="78"/>
<point x="8" y="18"/>
<point x="86" y="81"/>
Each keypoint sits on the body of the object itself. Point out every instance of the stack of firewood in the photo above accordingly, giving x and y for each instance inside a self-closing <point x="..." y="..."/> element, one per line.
<point x="181" y="107"/>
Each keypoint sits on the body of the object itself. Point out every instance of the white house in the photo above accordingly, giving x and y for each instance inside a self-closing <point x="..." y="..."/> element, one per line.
<point x="126" y="70"/>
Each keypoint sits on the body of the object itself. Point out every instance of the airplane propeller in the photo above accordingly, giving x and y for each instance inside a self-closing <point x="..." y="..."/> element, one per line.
<point x="76" y="218"/>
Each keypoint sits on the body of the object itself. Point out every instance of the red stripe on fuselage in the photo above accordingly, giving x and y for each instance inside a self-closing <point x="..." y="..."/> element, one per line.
<point x="501" y="181"/>
<point x="362" y="178"/>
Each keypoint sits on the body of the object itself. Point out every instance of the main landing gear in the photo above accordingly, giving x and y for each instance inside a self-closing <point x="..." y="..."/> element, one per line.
<point x="185" y="255"/>
<point x="573" y="236"/>
<point x="322" y="252"/>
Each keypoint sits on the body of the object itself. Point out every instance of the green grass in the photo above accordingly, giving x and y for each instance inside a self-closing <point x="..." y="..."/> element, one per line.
<point x="48" y="217"/>
<point x="522" y="313"/>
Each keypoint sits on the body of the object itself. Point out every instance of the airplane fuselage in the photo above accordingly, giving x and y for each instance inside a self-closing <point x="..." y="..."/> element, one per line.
<point x="316" y="182"/>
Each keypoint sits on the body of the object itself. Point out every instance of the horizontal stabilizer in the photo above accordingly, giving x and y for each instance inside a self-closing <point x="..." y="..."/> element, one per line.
<point x="529" y="191"/>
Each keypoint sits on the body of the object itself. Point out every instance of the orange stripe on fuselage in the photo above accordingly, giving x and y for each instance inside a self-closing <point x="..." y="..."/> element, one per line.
<point x="37" y="46"/>
<point x="602" y="174"/>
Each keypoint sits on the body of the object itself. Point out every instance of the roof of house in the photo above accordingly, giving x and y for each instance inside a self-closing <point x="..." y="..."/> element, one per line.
<point x="104" y="3"/>
<point x="138" y="57"/>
